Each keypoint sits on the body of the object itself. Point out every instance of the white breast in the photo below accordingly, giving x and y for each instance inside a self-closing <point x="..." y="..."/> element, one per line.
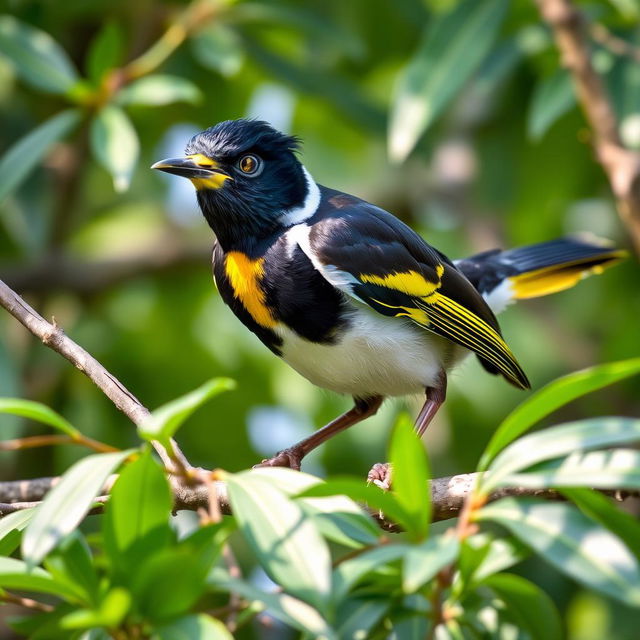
<point x="377" y="355"/>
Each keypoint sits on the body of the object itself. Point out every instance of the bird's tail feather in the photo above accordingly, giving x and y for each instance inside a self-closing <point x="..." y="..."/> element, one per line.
<point x="536" y="270"/>
<point x="557" y="265"/>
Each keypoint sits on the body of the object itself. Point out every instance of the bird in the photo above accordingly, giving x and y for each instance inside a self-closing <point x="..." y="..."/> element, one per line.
<point x="345" y="292"/>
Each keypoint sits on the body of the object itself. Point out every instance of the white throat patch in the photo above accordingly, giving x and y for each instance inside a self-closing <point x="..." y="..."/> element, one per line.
<point x="296" y="215"/>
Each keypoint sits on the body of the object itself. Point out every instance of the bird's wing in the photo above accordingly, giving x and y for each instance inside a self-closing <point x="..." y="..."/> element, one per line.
<point x="374" y="257"/>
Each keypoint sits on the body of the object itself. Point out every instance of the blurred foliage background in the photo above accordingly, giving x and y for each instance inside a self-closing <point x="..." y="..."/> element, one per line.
<point x="120" y="255"/>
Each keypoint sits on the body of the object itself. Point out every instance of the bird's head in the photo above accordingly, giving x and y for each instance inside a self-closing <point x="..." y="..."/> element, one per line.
<point x="247" y="177"/>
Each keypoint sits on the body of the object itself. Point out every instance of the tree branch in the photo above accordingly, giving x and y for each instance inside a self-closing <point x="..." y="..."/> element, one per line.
<point x="54" y="338"/>
<point x="621" y="165"/>
<point x="448" y="495"/>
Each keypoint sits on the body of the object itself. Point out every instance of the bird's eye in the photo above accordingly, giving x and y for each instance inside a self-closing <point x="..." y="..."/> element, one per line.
<point x="250" y="165"/>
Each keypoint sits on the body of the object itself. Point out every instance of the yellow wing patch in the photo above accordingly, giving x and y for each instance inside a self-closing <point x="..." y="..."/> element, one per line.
<point x="244" y="275"/>
<point x="410" y="282"/>
<point x="467" y="329"/>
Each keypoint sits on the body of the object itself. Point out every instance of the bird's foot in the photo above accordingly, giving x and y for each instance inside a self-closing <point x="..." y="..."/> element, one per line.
<point x="380" y="475"/>
<point x="290" y="458"/>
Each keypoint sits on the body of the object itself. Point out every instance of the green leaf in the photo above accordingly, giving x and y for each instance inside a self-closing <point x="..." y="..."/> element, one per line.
<point x="110" y="612"/>
<point x="529" y="605"/>
<point x="16" y="574"/>
<point x="167" y="419"/>
<point x="71" y="564"/>
<point x="218" y="48"/>
<point x="169" y="583"/>
<point x="423" y="561"/>
<point x="573" y="543"/>
<point x="136" y="522"/>
<point x="67" y="503"/>
<point x="105" y="52"/>
<point x="195" y="627"/>
<point x="600" y="508"/>
<point x="11" y="527"/>
<point x="351" y="571"/>
<point x="453" y="47"/>
<point x="37" y="57"/>
<point x="482" y="556"/>
<point x="357" y="490"/>
<point x="411" y="627"/>
<point x="115" y="145"/>
<point x="356" y="618"/>
<point x="611" y="469"/>
<point x="410" y="477"/>
<point x="337" y="517"/>
<point x="552" y="98"/>
<point x="286" y="608"/>
<point x="158" y="90"/>
<point x="553" y="396"/>
<point x="556" y="442"/>
<point x="25" y="154"/>
<point x="282" y="535"/>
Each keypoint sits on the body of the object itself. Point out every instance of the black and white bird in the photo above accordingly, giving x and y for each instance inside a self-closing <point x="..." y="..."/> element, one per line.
<point x="344" y="292"/>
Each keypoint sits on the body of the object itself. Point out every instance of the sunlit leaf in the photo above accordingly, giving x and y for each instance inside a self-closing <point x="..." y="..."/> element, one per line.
<point x="10" y="530"/>
<point x="194" y="627"/>
<point x="16" y="574"/>
<point x="554" y="395"/>
<point x="283" y="607"/>
<point x="600" y="508"/>
<point x="115" y="145"/>
<point x="453" y="47"/>
<point x="357" y="490"/>
<point x="25" y="154"/>
<point x="158" y="90"/>
<point x="67" y="503"/>
<point x="559" y="441"/>
<point x="574" y="544"/>
<point x="167" y="419"/>
<point x="281" y="535"/>
<point x="218" y="47"/>
<point x="410" y="477"/>
<point x="422" y="562"/>
<point x="105" y="52"/>
<point x="611" y="469"/>
<point x="552" y="98"/>
<point x="36" y="56"/>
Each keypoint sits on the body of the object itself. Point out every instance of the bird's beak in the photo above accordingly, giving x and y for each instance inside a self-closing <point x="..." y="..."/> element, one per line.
<point x="204" y="172"/>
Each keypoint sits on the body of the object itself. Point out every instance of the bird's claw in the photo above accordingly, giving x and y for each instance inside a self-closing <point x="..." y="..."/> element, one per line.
<point x="380" y="475"/>
<point x="289" y="458"/>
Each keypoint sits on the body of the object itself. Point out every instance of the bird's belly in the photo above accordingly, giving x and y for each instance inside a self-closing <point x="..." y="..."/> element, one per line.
<point x="376" y="355"/>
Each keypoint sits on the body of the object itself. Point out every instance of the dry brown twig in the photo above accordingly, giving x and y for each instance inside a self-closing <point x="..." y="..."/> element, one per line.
<point x="621" y="165"/>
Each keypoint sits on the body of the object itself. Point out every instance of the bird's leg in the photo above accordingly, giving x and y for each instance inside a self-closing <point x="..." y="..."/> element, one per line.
<point x="380" y="473"/>
<point x="291" y="457"/>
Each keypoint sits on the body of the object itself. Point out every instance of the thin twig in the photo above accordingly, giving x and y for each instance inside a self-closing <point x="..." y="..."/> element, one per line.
<point x="28" y="603"/>
<point x="48" y="440"/>
<point x="615" y="44"/>
<point x="54" y="338"/>
<point x="621" y="165"/>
